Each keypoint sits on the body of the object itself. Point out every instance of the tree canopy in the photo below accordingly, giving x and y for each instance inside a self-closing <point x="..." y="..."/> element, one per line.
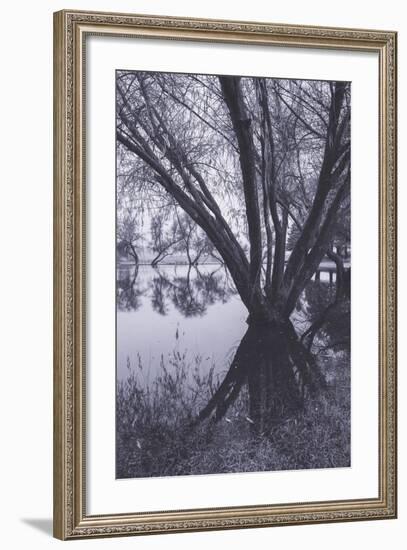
<point x="255" y="163"/>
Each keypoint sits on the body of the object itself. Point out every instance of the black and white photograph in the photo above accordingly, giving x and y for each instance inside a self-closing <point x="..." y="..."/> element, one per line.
<point x="233" y="274"/>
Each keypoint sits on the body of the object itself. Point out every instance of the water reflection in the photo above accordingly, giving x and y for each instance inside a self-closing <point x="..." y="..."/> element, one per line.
<point x="191" y="289"/>
<point x="195" y="310"/>
<point x="192" y="309"/>
<point x="326" y="317"/>
<point x="191" y="293"/>
<point x="128" y="290"/>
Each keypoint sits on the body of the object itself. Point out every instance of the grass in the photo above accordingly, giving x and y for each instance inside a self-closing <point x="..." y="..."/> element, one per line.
<point x="154" y="437"/>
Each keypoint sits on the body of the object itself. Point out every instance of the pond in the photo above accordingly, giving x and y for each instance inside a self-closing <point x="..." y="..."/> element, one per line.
<point x="176" y="308"/>
<point x="191" y="311"/>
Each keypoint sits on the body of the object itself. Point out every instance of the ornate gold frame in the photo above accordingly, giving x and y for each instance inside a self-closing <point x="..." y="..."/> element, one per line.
<point x="70" y="518"/>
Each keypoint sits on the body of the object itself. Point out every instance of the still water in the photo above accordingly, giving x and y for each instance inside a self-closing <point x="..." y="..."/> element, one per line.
<point x="175" y="308"/>
<point x="191" y="311"/>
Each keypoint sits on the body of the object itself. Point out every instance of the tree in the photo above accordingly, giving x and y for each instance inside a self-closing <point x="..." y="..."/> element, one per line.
<point x="128" y="238"/>
<point x="164" y="238"/>
<point x="192" y="240"/>
<point x="245" y="159"/>
<point x="181" y="236"/>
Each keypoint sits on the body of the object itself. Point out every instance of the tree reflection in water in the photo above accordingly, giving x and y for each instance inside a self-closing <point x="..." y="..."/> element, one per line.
<point x="266" y="354"/>
<point x="128" y="290"/>
<point x="328" y="317"/>
<point x="191" y="294"/>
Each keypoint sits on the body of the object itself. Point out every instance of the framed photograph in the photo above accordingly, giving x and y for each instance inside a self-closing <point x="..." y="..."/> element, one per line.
<point x="225" y="274"/>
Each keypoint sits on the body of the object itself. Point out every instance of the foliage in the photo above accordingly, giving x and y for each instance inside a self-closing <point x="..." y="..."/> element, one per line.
<point x="235" y="164"/>
<point x="155" y="437"/>
<point x="335" y="331"/>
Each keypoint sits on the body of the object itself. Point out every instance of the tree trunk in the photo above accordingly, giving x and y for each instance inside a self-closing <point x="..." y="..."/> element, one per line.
<point x="159" y="258"/>
<point x="279" y="372"/>
<point x="274" y="391"/>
